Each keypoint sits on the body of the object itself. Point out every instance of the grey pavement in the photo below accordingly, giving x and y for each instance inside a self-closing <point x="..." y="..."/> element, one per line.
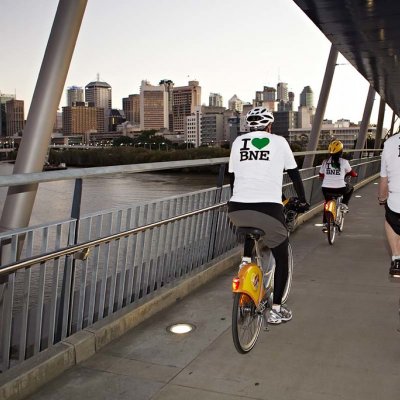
<point x="343" y="341"/>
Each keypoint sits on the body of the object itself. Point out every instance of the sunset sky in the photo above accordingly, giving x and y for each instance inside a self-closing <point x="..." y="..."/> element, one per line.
<point x="230" y="47"/>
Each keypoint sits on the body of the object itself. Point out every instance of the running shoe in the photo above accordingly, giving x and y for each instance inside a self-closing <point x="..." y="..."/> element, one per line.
<point x="277" y="317"/>
<point x="395" y="268"/>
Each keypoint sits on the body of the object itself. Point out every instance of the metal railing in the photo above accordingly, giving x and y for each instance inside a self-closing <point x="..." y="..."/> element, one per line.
<point x="69" y="274"/>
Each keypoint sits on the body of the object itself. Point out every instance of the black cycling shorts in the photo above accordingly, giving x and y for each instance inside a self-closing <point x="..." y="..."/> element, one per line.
<point x="266" y="216"/>
<point x="393" y="219"/>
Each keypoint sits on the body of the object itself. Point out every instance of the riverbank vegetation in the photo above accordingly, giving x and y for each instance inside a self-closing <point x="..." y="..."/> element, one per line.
<point x="121" y="155"/>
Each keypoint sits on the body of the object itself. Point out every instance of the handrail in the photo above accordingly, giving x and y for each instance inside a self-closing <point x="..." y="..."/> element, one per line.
<point x="51" y="176"/>
<point x="315" y="176"/>
<point x="10" y="268"/>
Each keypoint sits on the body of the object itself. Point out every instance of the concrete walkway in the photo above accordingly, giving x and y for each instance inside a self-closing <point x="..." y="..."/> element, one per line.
<point x="342" y="343"/>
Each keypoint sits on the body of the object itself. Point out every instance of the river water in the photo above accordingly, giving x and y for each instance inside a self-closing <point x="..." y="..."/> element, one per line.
<point x="54" y="199"/>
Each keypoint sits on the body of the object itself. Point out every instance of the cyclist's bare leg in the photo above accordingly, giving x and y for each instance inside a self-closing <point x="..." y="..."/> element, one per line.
<point x="393" y="239"/>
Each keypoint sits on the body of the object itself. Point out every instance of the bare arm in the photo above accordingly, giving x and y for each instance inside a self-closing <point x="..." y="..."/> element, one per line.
<point x="383" y="190"/>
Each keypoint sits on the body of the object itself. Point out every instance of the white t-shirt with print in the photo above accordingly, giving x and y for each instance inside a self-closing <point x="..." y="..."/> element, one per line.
<point x="390" y="168"/>
<point x="333" y="177"/>
<point x="258" y="160"/>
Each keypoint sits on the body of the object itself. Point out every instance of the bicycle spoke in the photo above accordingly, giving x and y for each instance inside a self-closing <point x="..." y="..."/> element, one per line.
<point x="246" y="323"/>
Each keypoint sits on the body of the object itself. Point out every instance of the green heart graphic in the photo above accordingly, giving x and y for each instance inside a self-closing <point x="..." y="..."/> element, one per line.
<point x="260" y="143"/>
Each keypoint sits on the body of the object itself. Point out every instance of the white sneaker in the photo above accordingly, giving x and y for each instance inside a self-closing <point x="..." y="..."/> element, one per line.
<point x="244" y="262"/>
<point x="277" y="317"/>
<point x="345" y="208"/>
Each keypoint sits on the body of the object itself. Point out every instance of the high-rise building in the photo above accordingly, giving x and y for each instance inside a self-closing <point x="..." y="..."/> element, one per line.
<point x="306" y="109"/>
<point x="243" y="127"/>
<point x="282" y="92"/>
<point x="259" y="99"/>
<point x="58" y="122"/>
<point x="342" y="130"/>
<point x="153" y="106"/>
<point x="305" y="117"/>
<point x="3" y="99"/>
<point x="235" y="104"/>
<point x="307" y="97"/>
<point x="284" y="121"/>
<point x="212" y="125"/>
<point x="131" y="107"/>
<point x="15" y="120"/>
<point x="193" y="127"/>
<point x="184" y="101"/>
<point x="74" y="95"/>
<point x="269" y="93"/>
<point x="285" y="106"/>
<point x="215" y="100"/>
<point x="82" y="118"/>
<point x="169" y="86"/>
<point x="116" y="117"/>
<point x="100" y="95"/>
<point x="265" y="98"/>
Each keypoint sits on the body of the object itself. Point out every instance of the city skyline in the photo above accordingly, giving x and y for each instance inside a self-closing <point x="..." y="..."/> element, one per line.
<point x="222" y="51"/>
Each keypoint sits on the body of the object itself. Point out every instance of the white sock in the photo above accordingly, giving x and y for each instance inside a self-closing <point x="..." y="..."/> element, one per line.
<point x="246" y="259"/>
<point x="395" y="258"/>
<point x="276" y="307"/>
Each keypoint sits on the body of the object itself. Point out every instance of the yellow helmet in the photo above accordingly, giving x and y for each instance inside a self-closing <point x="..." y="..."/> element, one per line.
<point x="335" y="147"/>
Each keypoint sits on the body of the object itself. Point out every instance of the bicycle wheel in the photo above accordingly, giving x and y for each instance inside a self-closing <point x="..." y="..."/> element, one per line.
<point x="290" y="219"/>
<point x="331" y="227"/>
<point x="246" y="323"/>
<point x="340" y="221"/>
<point x="290" y="275"/>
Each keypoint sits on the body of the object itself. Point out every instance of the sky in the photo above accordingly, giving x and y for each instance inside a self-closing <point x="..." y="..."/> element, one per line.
<point x="230" y="47"/>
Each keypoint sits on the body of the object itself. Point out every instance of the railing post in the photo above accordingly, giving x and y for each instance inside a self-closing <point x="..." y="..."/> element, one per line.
<point x="19" y="201"/>
<point x="379" y="126"/>
<point x="320" y="111"/>
<point x="362" y="135"/>
<point x="66" y="299"/>
<point x="214" y="219"/>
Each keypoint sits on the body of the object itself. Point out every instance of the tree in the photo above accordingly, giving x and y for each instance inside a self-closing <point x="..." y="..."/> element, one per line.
<point x="122" y="141"/>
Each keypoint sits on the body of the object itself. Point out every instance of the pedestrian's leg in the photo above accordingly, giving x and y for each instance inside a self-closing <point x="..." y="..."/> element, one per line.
<point x="393" y="239"/>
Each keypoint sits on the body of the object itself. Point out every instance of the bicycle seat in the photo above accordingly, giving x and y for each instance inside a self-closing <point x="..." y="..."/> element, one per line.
<point x="333" y="195"/>
<point x="255" y="232"/>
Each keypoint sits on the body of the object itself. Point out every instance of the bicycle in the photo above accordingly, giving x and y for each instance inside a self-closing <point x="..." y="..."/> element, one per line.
<point x="253" y="290"/>
<point x="290" y="207"/>
<point x="334" y="216"/>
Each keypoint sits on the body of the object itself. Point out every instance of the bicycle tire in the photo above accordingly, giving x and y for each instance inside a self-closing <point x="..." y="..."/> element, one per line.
<point x="288" y="286"/>
<point x="340" y="221"/>
<point x="246" y="323"/>
<point x="290" y="219"/>
<point x="331" y="228"/>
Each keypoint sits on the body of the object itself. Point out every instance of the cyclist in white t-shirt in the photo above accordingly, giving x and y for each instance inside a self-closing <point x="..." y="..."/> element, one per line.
<point x="333" y="172"/>
<point x="389" y="194"/>
<point x="256" y="165"/>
